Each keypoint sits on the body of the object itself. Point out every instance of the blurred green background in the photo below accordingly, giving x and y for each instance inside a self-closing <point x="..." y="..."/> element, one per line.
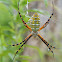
<point x="12" y="31"/>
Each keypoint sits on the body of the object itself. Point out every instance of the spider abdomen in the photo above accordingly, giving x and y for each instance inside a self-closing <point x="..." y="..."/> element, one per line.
<point x="35" y="22"/>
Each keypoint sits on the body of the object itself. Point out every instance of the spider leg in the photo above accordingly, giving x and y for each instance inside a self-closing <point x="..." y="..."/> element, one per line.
<point x="46" y="23"/>
<point x="17" y="44"/>
<point x="48" y="19"/>
<point x="47" y="44"/>
<point x="22" y="19"/>
<point x="26" y="39"/>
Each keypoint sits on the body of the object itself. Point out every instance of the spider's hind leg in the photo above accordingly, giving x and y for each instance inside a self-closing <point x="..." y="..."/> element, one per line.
<point x="18" y="44"/>
<point x="26" y="39"/>
<point x="47" y="44"/>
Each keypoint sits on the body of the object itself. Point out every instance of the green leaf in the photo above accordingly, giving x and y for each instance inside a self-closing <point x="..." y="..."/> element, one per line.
<point x="46" y="3"/>
<point x="4" y="15"/>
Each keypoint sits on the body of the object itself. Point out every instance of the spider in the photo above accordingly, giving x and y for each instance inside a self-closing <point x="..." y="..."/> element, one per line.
<point x="35" y="24"/>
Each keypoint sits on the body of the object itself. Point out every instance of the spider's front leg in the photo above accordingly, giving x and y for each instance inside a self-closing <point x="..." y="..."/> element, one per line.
<point x="22" y="19"/>
<point x="26" y="39"/>
<point x="46" y="23"/>
<point x="47" y="44"/>
<point x="48" y="19"/>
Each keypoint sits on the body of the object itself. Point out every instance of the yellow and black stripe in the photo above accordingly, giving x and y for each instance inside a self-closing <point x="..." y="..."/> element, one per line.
<point x="35" y="22"/>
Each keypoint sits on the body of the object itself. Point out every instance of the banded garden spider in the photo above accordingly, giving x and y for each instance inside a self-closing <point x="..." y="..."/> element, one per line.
<point x="35" y="23"/>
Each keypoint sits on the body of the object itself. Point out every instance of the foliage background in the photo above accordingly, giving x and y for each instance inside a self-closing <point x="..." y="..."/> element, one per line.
<point x="12" y="31"/>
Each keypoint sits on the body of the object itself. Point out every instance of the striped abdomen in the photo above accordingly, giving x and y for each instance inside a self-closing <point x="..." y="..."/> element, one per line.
<point x="35" y="22"/>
